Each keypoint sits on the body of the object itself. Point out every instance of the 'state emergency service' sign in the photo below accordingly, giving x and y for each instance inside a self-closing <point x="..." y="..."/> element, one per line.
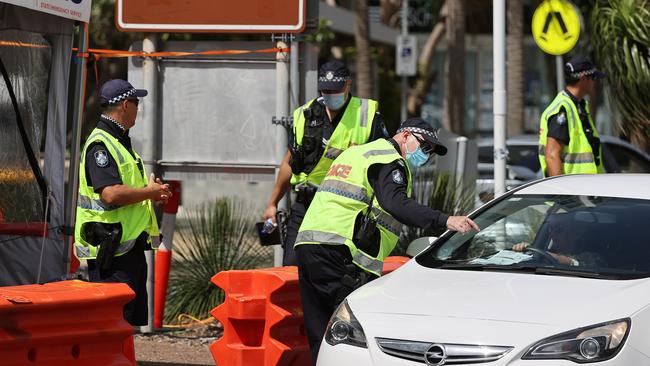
<point x="217" y="16"/>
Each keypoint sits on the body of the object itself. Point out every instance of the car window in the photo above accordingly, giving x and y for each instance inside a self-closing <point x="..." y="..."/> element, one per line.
<point x="523" y="155"/>
<point x="602" y="236"/>
<point x="628" y="160"/>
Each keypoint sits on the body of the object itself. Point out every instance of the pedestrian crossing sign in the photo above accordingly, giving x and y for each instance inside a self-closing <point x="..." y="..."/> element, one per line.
<point x="556" y="26"/>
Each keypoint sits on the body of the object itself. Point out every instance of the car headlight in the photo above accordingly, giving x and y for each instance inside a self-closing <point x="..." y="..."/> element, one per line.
<point x="344" y="328"/>
<point x="589" y="344"/>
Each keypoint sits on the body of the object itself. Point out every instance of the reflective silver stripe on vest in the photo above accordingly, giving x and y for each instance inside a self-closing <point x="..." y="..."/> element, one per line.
<point x="370" y="153"/>
<point x="364" y="113"/>
<point x="575" y="158"/>
<point x="578" y="158"/>
<point x="313" y="236"/>
<point x="95" y="205"/>
<point x="333" y="153"/>
<point x="371" y="264"/>
<point x="120" y="158"/>
<point x="83" y="251"/>
<point x="387" y="221"/>
<point x="344" y="189"/>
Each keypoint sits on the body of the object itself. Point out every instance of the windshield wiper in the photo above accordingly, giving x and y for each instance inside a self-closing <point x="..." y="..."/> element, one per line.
<point x="553" y="271"/>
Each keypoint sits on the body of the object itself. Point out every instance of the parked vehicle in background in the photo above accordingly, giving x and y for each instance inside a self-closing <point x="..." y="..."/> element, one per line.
<point x="577" y="292"/>
<point x="523" y="166"/>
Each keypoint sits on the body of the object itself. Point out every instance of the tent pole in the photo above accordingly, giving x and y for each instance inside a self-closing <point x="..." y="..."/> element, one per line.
<point x="77" y="120"/>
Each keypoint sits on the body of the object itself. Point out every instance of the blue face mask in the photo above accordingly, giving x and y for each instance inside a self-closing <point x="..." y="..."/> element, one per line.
<point x="416" y="158"/>
<point x="334" y="101"/>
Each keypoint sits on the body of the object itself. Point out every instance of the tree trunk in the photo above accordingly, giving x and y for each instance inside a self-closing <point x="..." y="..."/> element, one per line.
<point x="454" y="97"/>
<point x="515" y="70"/>
<point x="425" y="75"/>
<point x="361" y="37"/>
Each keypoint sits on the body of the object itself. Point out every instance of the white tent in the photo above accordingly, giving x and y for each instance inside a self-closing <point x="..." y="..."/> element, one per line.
<point x="36" y="40"/>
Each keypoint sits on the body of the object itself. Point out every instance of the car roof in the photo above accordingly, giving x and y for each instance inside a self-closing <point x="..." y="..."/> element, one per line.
<point x="607" y="185"/>
<point x="533" y="140"/>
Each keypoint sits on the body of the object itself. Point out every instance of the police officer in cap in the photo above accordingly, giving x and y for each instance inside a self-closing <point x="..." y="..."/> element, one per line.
<point x="115" y="217"/>
<point x="356" y="217"/>
<point x="568" y="139"/>
<point x="323" y="128"/>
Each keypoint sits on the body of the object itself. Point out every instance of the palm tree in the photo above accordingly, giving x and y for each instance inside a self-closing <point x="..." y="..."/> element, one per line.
<point x="454" y="97"/>
<point x="362" y="39"/>
<point x="515" y="70"/>
<point x="621" y="35"/>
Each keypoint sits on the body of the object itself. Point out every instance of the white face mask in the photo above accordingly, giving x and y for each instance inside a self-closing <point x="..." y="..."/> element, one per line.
<point x="334" y="101"/>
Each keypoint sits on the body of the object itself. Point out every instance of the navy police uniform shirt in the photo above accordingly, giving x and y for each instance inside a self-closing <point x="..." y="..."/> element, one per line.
<point x="390" y="182"/>
<point x="101" y="169"/>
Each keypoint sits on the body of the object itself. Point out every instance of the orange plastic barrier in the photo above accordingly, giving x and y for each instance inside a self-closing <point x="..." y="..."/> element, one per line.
<point x="262" y="317"/>
<point x="65" y="323"/>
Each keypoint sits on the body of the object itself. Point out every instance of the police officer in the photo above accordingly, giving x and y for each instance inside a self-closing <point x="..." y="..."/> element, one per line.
<point x="115" y="218"/>
<point x="568" y="139"/>
<point x="356" y="217"/>
<point x="323" y="128"/>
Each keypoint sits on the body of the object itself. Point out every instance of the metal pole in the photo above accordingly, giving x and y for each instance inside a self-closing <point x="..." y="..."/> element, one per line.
<point x="150" y="126"/>
<point x="559" y="72"/>
<point x="499" y="62"/>
<point x="281" y="110"/>
<point x="405" y="32"/>
<point x="75" y="148"/>
<point x="294" y="102"/>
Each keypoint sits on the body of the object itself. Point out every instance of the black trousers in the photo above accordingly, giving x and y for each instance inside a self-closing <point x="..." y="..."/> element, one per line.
<point x="129" y="268"/>
<point x="295" y="219"/>
<point x="320" y="269"/>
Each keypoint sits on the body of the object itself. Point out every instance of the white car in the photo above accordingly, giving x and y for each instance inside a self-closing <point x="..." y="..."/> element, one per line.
<point x="577" y="289"/>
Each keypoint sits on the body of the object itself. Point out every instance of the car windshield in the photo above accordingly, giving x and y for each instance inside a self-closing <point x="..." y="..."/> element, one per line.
<point x="587" y="236"/>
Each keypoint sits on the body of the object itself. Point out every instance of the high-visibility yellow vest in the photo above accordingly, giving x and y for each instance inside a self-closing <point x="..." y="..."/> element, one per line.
<point x="578" y="156"/>
<point x="345" y="193"/>
<point x="354" y="128"/>
<point x="135" y="218"/>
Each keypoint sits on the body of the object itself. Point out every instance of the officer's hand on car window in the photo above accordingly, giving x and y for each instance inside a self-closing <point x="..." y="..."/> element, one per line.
<point x="462" y="224"/>
<point x="270" y="212"/>
<point x="161" y="192"/>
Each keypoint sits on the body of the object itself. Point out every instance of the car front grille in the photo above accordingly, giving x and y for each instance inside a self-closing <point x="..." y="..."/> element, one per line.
<point x="438" y="354"/>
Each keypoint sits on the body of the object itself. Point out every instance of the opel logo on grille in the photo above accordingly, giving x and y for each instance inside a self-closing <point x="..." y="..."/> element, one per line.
<point x="435" y="355"/>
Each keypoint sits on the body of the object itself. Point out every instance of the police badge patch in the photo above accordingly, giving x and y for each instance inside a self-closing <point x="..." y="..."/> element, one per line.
<point x="101" y="158"/>
<point x="561" y="118"/>
<point x="397" y="177"/>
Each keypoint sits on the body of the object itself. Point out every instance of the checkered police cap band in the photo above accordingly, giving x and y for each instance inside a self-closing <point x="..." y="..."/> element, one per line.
<point x="419" y="130"/>
<point x="122" y="96"/>
<point x="579" y="74"/>
<point x="334" y="79"/>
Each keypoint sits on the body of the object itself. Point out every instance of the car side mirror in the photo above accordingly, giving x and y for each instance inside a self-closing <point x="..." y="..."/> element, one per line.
<point x="418" y="245"/>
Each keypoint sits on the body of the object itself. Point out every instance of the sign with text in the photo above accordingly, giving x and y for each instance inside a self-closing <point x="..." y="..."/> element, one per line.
<point x="406" y="56"/>
<point x="216" y="16"/>
<point x="71" y="9"/>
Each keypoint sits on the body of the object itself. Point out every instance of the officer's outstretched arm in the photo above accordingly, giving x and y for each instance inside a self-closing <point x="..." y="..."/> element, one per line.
<point x="122" y="195"/>
<point x="282" y="185"/>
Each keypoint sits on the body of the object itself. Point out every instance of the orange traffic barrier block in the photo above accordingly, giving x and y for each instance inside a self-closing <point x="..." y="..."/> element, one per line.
<point x="262" y="317"/>
<point x="65" y="323"/>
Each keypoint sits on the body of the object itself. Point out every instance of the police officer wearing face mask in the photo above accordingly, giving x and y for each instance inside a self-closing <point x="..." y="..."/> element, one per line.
<point x="356" y="218"/>
<point x="323" y="128"/>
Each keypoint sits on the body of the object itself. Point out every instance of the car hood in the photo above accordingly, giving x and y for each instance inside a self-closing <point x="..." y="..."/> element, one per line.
<point x="500" y="296"/>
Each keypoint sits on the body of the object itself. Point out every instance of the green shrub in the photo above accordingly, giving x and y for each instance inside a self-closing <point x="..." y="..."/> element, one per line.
<point x="214" y="237"/>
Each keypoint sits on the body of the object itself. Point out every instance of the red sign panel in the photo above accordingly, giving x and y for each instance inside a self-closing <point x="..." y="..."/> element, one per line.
<point x="217" y="16"/>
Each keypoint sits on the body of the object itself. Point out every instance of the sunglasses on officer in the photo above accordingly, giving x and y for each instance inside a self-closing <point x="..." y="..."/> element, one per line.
<point x="424" y="145"/>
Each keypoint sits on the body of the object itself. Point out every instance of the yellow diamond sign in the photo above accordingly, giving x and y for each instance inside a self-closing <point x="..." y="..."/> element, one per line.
<point x="556" y="26"/>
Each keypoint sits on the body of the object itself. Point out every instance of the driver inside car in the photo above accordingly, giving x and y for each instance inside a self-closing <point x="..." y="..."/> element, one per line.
<point x="565" y="238"/>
